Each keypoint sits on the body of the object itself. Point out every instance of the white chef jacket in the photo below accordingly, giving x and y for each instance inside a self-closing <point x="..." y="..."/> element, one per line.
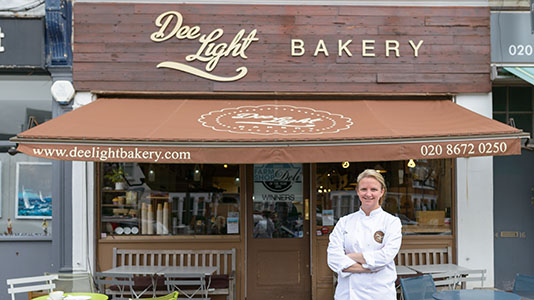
<point x="355" y="233"/>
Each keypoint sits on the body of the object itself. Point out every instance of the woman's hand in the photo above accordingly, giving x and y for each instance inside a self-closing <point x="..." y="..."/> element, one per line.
<point x="357" y="268"/>
<point x="357" y="257"/>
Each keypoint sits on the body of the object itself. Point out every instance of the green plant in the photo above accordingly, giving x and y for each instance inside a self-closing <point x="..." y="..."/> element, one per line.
<point x="116" y="175"/>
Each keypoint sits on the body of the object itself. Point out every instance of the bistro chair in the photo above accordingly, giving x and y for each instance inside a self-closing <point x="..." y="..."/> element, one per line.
<point x="418" y="288"/>
<point x="116" y="285"/>
<point x="30" y="284"/>
<point x="523" y="283"/>
<point x="188" y="285"/>
<point x="450" y="280"/>
<point x="74" y="282"/>
<point x="171" y="296"/>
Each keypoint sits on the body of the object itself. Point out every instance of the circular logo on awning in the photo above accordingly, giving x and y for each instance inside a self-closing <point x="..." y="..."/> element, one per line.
<point x="275" y="119"/>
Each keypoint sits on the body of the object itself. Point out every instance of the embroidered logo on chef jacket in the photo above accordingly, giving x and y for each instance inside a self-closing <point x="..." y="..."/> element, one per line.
<point x="379" y="236"/>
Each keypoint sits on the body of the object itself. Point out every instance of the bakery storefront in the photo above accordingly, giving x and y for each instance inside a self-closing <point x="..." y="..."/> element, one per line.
<point x="244" y="126"/>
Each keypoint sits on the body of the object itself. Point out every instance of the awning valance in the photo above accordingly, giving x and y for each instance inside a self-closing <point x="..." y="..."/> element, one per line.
<point x="267" y="131"/>
<point x="524" y="73"/>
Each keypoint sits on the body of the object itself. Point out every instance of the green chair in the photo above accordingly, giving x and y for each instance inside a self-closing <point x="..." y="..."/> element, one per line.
<point x="171" y="296"/>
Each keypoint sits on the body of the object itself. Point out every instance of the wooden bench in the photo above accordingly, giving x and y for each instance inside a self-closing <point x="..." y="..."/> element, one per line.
<point x="429" y="256"/>
<point x="223" y="260"/>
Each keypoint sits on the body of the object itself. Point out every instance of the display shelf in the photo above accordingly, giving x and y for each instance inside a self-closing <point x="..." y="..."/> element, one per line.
<point x="119" y="219"/>
<point x="119" y="205"/>
<point x="426" y="228"/>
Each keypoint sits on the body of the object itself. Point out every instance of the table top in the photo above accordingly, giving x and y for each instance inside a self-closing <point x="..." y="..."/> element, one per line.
<point x="440" y="268"/>
<point x="94" y="296"/>
<point x="475" y="295"/>
<point x="525" y="294"/>
<point x="160" y="270"/>
<point x="137" y="270"/>
<point x="404" y="270"/>
<point x="188" y="270"/>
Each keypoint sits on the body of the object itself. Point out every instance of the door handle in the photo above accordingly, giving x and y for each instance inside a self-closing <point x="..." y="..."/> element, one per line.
<point x="511" y="234"/>
<point x="307" y="209"/>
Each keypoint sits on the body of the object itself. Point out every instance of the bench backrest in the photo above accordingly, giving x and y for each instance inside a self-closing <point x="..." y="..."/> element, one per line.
<point x="224" y="260"/>
<point x="414" y="257"/>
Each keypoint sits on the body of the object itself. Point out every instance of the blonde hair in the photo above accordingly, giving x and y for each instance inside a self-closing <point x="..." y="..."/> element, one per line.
<point x="370" y="173"/>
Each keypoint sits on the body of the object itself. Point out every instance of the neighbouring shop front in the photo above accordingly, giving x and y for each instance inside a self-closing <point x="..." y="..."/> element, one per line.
<point x="512" y="62"/>
<point x="26" y="231"/>
<point x="244" y="126"/>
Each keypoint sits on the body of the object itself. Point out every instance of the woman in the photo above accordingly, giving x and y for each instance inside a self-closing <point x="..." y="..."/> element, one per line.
<point x="363" y="245"/>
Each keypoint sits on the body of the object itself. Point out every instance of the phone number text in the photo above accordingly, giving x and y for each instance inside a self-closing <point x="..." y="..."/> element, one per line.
<point x="465" y="149"/>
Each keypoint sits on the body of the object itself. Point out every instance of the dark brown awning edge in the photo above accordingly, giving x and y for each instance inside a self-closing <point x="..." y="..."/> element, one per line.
<point x="295" y="153"/>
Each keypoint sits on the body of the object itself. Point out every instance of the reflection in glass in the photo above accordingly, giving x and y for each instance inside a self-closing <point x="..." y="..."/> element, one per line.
<point x="420" y="196"/>
<point x="278" y="202"/>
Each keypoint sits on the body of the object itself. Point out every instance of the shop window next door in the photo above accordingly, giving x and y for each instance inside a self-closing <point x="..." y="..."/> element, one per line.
<point x="278" y="234"/>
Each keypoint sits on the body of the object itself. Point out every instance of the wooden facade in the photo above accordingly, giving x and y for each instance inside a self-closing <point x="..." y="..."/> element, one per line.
<point x="113" y="50"/>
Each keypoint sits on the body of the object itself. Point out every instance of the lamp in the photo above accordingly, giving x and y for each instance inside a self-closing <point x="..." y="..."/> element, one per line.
<point x="411" y="164"/>
<point x="380" y="169"/>
<point x="196" y="173"/>
<point x="151" y="175"/>
<point x="345" y="164"/>
<point x="62" y="91"/>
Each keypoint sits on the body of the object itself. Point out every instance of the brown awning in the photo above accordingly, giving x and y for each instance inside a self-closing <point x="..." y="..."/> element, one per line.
<point x="266" y="131"/>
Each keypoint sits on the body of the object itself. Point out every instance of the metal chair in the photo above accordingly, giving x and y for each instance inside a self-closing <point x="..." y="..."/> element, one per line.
<point x="74" y="282"/>
<point x="171" y="296"/>
<point x="446" y="279"/>
<point x="418" y="288"/>
<point x="523" y="283"/>
<point x="27" y="284"/>
<point x="116" y="285"/>
<point x="188" y="285"/>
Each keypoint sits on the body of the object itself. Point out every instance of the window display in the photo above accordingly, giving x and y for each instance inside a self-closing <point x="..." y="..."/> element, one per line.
<point x="169" y="199"/>
<point x="418" y="192"/>
<point x="278" y="201"/>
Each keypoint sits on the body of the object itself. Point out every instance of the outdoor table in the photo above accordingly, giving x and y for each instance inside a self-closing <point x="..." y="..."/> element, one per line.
<point x="151" y="271"/>
<point x="94" y="296"/>
<point x="136" y="270"/>
<point x="525" y="294"/>
<point x="457" y="270"/>
<point x="440" y="268"/>
<point x="403" y="271"/>
<point x="475" y="295"/>
<point x="155" y="271"/>
<point x="187" y="270"/>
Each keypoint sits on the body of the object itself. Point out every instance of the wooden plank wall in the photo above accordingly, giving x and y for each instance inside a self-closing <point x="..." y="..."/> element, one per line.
<point x="113" y="50"/>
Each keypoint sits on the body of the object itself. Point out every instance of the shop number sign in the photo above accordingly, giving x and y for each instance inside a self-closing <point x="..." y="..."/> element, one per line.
<point x="2" y="36"/>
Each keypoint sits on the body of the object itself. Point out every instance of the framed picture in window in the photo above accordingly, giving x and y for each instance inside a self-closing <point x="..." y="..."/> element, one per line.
<point x="0" y="189"/>
<point x="33" y="190"/>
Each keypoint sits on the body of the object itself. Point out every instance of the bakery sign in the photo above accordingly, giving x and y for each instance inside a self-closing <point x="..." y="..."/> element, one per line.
<point x="210" y="52"/>
<point x="273" y="119"/>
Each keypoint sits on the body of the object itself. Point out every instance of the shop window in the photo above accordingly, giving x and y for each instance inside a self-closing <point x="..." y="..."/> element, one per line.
<point x="169" y="199"/>
<point x="421" y="196"/>
<point x="26" y="185"/>
<point x="513" y="106"/>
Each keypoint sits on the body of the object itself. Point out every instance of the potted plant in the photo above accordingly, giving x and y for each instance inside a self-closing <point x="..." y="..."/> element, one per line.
<point x="117" y="177"/>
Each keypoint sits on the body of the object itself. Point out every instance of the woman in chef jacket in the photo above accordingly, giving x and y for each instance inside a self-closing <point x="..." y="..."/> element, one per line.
<point x="363" y="245"/>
